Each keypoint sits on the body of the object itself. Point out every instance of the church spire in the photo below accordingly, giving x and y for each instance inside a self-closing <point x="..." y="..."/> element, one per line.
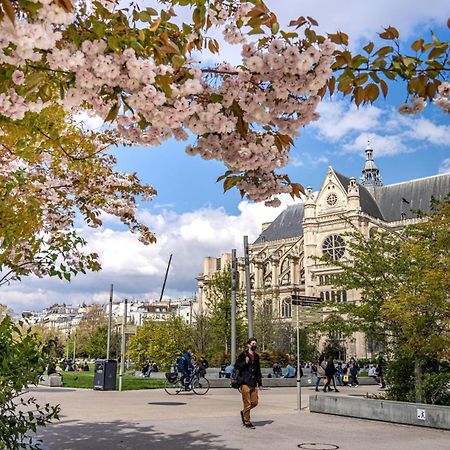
<point x="370" y="173"/>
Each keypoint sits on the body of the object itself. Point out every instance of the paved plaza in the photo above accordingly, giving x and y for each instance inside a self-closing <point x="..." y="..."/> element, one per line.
<point x="151" y="419"/>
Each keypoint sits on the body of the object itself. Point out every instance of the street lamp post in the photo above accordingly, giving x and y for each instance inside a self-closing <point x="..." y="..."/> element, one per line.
<point x="299" y="379"/>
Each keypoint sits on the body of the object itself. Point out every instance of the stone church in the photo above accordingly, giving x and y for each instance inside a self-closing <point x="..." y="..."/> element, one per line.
<point x="281" y="258"/>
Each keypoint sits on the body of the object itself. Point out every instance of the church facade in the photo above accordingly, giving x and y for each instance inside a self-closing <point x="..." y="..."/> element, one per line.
<point x="283" y="259"/>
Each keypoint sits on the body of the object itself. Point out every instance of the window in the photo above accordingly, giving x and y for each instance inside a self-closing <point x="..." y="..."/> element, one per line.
<point x="218" y="264"/>
<point x="334" y="247"/>
<point x="286" y="308"/>
<point x="332" y="199"/>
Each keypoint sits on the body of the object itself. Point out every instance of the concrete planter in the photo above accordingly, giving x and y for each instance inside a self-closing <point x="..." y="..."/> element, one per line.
<point x="417" y="414"/>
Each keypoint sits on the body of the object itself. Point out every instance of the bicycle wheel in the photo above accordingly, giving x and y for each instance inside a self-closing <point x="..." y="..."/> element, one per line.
<point x="200" y="386"/>
<point x="173" y="388"/>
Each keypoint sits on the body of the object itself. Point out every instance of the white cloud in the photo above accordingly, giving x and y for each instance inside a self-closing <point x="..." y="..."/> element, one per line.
<point x="362" y="20"/>
<point x="389" y="132"/>
<point x="445" y="166"/>
<point x="88" y="121"/>
<point x="425" y="130"/>
<point x="339" y="118"/>
<point x="137" y="271"/>
<point x="385" y="145"/>
<point x="305" y="159"/>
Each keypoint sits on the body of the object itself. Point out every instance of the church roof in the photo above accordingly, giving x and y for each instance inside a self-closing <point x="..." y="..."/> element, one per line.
<point x="367" y="202"/>
<point x="288" y="224"/>
<point x="399" y="199"/>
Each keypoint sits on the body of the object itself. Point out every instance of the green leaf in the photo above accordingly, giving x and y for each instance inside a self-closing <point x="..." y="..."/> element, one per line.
<point x="112" y="114"/>
<point x="231" y="182"/>
<point x="114" y="43"/>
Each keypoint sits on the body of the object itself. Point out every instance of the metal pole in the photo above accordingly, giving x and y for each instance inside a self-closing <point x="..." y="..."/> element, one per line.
<point x="122" y="348"/>
<point x="233" y="305"/>
<point x="190" y="312"/>
<point x="74" y="346"/>
<point x="299" y="389"/>
<point x="68" y="345"/>
<point x="248" y="288"/>
<point x="165" y="279"/>
<point x="108" y="343"/>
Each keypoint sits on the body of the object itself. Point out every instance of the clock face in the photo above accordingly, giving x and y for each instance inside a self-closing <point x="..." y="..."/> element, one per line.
<point x="332" y="199"/>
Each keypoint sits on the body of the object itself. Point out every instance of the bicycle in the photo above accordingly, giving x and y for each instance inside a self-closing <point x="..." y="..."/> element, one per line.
<point x="196" y="383"/>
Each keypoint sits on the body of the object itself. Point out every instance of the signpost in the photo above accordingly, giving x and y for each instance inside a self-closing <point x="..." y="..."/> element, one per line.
<point x="301" y="300"/>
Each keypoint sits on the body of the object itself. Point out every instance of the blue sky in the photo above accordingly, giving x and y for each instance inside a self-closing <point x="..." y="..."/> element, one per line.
<point x="192" y="216"/>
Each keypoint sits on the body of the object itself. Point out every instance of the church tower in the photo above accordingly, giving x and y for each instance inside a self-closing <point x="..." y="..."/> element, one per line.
<point x="370" y="173"/>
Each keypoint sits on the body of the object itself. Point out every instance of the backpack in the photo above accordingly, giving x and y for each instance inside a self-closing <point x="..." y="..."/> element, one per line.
<point x="181" y="364"/>
<point x="235" y="382"/>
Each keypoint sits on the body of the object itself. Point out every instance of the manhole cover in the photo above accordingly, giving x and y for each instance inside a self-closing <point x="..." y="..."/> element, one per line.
<point x="317" y="446"/>
<point x="167" y="403"/>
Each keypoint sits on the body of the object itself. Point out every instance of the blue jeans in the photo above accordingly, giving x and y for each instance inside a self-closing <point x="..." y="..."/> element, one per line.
<point x="318" y="381"/>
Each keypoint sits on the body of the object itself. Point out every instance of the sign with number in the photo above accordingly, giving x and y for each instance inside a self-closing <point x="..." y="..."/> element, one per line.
<point x="421" y="414"/>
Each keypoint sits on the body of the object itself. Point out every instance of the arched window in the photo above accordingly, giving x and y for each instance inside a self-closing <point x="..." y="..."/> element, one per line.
<point x="286" y="308"/>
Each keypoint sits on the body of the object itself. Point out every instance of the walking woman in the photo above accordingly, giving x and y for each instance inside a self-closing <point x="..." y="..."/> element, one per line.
<point x="330" y="371"/>
<point x="354" y="369"/>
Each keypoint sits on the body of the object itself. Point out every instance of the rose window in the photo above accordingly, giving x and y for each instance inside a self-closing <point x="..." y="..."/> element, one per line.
<point x="332" y="199"/>
<point x="334" y="247"/>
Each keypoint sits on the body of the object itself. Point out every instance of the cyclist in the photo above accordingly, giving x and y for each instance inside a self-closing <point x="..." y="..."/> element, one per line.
<point x="185" y="366"/>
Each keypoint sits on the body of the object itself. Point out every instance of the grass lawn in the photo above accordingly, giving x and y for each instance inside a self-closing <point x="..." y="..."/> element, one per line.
<point x="129" y="383"/>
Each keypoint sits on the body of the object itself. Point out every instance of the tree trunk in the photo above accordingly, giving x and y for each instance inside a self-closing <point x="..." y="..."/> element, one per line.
<point x="418" y="381"/>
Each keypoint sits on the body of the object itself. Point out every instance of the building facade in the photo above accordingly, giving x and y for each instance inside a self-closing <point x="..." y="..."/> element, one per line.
<point x="284" y="258"/>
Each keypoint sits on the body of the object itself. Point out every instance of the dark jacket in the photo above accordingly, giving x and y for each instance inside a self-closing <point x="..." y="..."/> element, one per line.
<point x="330" y="370"/>
<point x="249" y="374"/>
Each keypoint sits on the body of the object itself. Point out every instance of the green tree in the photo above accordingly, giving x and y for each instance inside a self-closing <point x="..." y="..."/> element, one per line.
<point x="201" y="335"/>
<point x="265" y="326"/>
<point x="218" y="301"/>
<point x="160" y="341"/>
<point x="97" y="341"/>
<point x="92" y="319"/>
<point x="21" y="365"/>
<point x="403" y="278"/>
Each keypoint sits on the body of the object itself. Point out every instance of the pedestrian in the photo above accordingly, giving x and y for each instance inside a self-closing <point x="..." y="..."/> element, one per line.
<point x="276" y="368"/>
<point x="145" y="369"/>
<point x="380" y="372"/>
<point x="330" y="371"/>
<point x="354" y="369"/>
<point x="339" y="374"/>
<point x="290" y="371"/>
<point x="250" y="380"/>
<point x="321" y="364"/>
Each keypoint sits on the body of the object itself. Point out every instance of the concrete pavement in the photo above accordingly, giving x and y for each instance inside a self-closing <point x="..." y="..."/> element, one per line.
<point x="152" y="419"/>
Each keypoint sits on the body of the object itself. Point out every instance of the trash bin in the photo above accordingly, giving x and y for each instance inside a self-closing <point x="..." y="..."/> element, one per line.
<point x="105" y="374"/>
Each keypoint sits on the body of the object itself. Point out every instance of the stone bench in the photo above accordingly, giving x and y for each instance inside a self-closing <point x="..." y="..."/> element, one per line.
<point x="54" y="380"/>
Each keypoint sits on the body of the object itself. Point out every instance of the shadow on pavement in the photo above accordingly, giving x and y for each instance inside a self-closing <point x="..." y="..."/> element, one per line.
<point x="262" y="423"/>
<point x="74" y="435"/>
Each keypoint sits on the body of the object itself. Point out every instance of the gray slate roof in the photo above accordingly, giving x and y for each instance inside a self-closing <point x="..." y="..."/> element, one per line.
<point x="288" y="224"/>
<point x="368" y="204"/>
<point x="391" y="198"/>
